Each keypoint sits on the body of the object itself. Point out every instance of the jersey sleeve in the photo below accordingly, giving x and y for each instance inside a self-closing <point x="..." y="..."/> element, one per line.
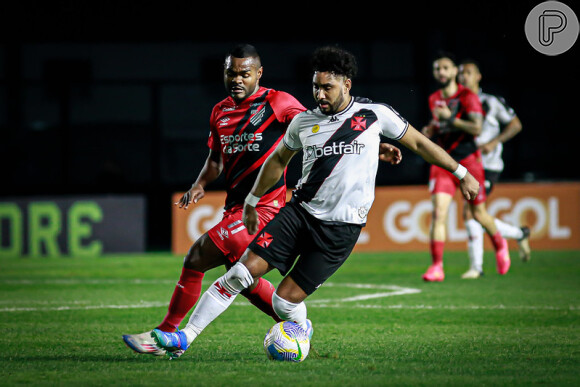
<point x="393" y="125"/>
<point x="292" y="136"/>
<point x="472" y="103"/>
<point x="286" y="107"/>
<point x="213" y="141"/>
<point x="504" y="112"/>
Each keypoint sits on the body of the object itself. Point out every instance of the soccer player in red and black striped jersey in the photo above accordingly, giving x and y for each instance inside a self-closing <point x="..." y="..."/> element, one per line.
<point x="457" y="120"/>
<point x="245" y="128"/>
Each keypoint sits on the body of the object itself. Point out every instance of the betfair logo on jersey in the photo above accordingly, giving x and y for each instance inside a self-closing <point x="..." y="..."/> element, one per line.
<point x="341" y="148"/>
<point x="241" y="142"/>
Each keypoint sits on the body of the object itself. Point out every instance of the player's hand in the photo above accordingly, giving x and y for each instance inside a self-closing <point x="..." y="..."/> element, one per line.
<point x="442" y="112"/>
<point x="250" y="219"/>
<point x="193" y="195"/>
<point x="469" y="187"/>
<point x="431" y="129"/>
<point x="488" y="147"/>
<point x="390" y="153"/>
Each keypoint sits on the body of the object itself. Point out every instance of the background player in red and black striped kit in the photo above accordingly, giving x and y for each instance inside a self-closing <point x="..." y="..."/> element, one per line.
<point x="245" y="128"/>
<point x="457" y="119"/>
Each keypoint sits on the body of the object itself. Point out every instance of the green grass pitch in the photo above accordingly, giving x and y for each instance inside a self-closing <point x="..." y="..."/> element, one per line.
<point x="375" y="323"/>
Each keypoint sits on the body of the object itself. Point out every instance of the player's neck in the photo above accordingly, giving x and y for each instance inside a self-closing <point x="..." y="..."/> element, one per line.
<point x="449" y="89"/>
<point x="248" y="97"/>
<point x="344" y="105"/>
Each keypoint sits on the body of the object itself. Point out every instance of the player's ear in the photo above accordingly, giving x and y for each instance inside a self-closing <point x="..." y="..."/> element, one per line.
<point x="347" y="85"/>
<point x="260" y="72"/>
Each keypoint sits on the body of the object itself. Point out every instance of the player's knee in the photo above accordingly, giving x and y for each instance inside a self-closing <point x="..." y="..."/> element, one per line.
<point x="239" y="277"/>
<point x="439" y="214"/>
<point x="479" y="214"/>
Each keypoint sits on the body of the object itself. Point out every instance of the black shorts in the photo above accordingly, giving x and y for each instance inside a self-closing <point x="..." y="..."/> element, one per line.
<point x="491" y="177"/>
<point x="322" y="247"/>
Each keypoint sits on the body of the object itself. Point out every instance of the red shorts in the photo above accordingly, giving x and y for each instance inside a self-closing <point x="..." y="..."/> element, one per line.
<point x="230" y="234"/>
<point x="442" y="181"/>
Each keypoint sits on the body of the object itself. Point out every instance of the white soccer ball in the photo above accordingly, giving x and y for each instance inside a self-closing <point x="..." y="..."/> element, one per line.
<point x="287" y="341"/>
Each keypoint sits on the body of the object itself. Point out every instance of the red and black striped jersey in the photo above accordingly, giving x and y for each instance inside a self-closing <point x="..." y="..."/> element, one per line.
<point x="457" y="143"/>
<point x="245" y="134"/>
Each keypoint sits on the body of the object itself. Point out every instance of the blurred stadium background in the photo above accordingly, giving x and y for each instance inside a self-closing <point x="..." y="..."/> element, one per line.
<point x="113" y="98"/>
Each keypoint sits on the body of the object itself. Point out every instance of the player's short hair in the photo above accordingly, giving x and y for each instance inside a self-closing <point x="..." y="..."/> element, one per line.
<point x="244" y="50"/>
<point x="472" y="62"/>
<point x="446" y="55"/>
<point x="335" y="60"/>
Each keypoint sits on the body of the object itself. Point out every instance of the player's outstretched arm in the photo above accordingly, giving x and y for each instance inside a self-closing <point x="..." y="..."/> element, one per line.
<point x="210" y="171"/>
<point x="434" y="154"/>
<point x="269" y="174"/>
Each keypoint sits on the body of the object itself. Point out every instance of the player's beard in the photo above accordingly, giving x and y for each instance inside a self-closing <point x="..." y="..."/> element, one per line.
<point x="444" y="84"/>
<point x="332" y="106"/>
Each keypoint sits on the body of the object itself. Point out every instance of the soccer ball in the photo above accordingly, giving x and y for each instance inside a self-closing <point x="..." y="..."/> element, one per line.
<point x="286" y="341"/>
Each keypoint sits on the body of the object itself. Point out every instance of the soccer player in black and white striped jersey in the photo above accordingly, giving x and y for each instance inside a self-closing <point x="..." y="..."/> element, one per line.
<point x="313" y="235"/>
<point x="497" y="114"/>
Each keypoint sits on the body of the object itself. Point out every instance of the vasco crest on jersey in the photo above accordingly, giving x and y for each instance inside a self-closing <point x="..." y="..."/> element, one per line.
<point x="358" y="123"/>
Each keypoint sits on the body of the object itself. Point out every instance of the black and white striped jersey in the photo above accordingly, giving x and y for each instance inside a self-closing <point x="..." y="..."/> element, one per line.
<point x="496" y="114"/>
<point x="340" y="158"/>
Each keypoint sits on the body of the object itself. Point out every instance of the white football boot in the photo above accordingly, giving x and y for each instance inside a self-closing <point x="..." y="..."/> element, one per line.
<point x="143" y="343"/>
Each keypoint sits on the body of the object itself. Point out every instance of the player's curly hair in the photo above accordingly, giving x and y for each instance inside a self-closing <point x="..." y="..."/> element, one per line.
<point x="335" y="60"/>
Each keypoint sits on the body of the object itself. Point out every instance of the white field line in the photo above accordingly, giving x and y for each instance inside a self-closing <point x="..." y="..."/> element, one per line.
<point x="348" y="302"/>
<point x="336" y="304"/>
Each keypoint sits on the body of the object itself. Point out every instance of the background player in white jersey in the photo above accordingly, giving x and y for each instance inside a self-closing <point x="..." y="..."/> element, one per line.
<point x="312" y="236"/>
<point x="497" y="114"/>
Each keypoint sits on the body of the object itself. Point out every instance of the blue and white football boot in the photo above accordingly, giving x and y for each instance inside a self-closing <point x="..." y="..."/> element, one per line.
<point x="175" y="343"/>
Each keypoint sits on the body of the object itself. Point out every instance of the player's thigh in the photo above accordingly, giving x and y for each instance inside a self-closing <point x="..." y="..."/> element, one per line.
<point x="231" y="236"/>
<point x="323" y="253"/>
<point x="280" y="241"/>
<point x="203" y="255"/>
<point x="256" y="265"/>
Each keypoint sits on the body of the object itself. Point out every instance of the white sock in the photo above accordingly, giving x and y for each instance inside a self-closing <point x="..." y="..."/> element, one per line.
<point x="217" y="299"/>
<point x="507" y="230"/>
<point x="475" y="244"/>
<point x="290" y="311"/>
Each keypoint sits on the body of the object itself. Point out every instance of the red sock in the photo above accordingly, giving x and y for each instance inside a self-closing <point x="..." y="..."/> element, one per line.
<point x="185" y="295"/>
<point x="261" y="297"/>
<point x="436" y="248"/>
<point x="496" y="239"/>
